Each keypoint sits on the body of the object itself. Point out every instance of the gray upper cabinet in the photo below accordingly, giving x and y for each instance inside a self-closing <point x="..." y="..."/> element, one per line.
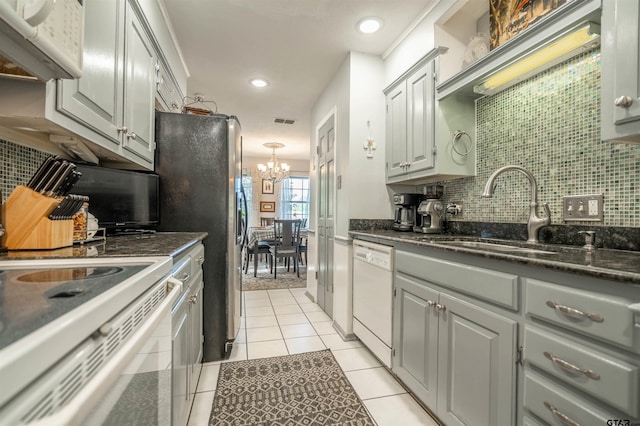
<point x="96" y="98"/>
<point x="620" y="72"/>
<point x="410" y="124"/>
<point x="419" y="133"/>
<point x="115" y="97"/>
<point x="457" y="357"/>
<point x="396" y="131"/>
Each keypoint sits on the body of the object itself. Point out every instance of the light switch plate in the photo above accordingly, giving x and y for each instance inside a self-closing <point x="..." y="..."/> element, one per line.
<point x="584" y="208"/>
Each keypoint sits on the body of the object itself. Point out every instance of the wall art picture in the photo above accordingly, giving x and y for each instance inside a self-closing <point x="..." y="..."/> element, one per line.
<point x="267" y="206"/>
<point x="267" y="186"/>
<point x="508" y="18"/>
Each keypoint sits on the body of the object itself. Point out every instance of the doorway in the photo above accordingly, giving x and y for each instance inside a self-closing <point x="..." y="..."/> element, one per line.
<point x="326" y="209"/>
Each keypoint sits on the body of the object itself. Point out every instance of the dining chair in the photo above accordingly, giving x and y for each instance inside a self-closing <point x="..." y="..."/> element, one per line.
<point x="266" y="221"/>
<point x="254" y="251"/>
<point x="287" y="240"/>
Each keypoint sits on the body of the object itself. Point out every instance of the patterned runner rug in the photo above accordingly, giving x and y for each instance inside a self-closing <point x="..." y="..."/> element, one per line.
<point x="265" y="280"/>
<point x="305" y="389"/>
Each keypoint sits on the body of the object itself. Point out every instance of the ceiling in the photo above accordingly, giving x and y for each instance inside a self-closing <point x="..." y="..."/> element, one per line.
<point x="296" y="45"/>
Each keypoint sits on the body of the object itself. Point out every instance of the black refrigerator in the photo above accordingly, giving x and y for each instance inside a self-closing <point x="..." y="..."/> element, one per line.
<point x="199" y="161"/>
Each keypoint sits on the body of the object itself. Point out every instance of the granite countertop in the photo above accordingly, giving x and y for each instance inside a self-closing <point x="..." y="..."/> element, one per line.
<point x="137" y="245"/>
<point x="616" y="265"/>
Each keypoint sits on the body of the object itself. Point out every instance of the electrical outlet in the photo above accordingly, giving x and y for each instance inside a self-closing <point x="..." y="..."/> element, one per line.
<point x="583" y="208"/>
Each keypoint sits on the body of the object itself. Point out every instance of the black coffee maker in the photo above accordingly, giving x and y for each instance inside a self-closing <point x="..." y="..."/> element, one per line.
<point x="405" y="215"/>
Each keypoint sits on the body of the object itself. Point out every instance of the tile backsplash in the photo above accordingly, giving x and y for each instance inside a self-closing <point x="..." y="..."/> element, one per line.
<point x="550" y="125"/>
<point x="17" y="164"/>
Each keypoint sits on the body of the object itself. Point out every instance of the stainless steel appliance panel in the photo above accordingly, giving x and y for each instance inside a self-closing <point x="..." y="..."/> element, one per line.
<point x="198" y="160"/>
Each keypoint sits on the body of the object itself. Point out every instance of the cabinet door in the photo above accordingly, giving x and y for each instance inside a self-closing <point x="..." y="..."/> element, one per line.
<point x="396" y="131"/>
<point x="421" y="119"/>
<point x="476" y="370"/>
<point x="139" y="90"/>
<point x="195" y="333"/>
<point x="95" y="99"/>
<point x="415" y="338"/>
<point x="620" y="72"/>
<point x="180" y="366"/>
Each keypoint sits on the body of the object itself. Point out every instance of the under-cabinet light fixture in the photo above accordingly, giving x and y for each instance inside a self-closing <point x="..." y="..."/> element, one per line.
<point x="552" y="53"/>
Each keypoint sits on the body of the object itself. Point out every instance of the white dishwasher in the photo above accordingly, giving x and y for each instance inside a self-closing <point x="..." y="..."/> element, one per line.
<point x="373" y="297"/>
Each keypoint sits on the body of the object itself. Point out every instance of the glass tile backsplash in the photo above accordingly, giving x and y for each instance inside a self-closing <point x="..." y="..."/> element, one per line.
<point x="17" y="164"/>
<point x="550" y="125"/>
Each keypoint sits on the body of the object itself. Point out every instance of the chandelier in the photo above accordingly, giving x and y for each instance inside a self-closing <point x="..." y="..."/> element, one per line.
<point x="274" y="170"/>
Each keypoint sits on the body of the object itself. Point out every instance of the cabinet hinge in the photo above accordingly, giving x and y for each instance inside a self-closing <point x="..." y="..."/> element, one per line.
<point x="435" y="76"/>
<point x="386" y="108"/>
<point x="394" y="292"/>
<point x="435" y="150"/>
<point x="393" y="352"/>
<point x="520" y="356"/>
<point x="318" y="151"/>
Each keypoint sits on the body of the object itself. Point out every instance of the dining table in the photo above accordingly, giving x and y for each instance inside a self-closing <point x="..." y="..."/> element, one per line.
<point x="263" y="233"/>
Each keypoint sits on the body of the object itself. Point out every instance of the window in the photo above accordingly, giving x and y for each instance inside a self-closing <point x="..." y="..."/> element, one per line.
<point x="294" y="198"/>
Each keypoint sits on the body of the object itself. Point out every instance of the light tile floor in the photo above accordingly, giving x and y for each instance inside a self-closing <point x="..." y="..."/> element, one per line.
<point x="284" y="322"/>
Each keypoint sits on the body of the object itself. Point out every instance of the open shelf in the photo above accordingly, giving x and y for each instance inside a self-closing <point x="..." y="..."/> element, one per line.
<point x="466" y="18"/>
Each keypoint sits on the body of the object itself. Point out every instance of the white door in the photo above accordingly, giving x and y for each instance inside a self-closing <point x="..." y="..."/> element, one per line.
<point x="326" y="180"/>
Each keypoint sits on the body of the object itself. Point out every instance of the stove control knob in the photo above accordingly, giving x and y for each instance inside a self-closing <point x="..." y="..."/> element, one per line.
<point x="106" y="329"/>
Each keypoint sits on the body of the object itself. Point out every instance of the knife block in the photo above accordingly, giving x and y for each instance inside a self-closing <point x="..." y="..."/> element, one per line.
<point x="27" y="225"/>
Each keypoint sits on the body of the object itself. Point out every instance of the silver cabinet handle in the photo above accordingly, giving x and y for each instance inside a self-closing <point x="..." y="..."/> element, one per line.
<point x="132" y="135"/>
<point x="575" y="313"/>
<point x="440" y="307"/>
<point x="624" y="101"/>
<point x="193" y="299"/>
<point x="200" y="260"/>
<point x="564" y="419"/>
<point x="185" y="277"/>
<point x="567" y="366"/>
<point x="430" y="303"/>
<point x="121" y="129"/>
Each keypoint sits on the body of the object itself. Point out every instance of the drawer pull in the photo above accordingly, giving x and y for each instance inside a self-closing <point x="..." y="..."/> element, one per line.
<point x="575" y="313"/>
<point x="564" y="419"/>
<point x="440" y="308"/>
<point x="567" y="366"/>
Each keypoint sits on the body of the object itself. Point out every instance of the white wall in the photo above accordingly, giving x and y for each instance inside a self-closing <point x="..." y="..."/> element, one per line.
<point x="416" y="44"/>
<point x="364" y="177"/>
<point x="355" y="96"/>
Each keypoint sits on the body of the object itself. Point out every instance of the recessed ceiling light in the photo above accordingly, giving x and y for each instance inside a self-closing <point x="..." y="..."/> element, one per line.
<point x="369" y="25"/>
<point x="258" y="82"/>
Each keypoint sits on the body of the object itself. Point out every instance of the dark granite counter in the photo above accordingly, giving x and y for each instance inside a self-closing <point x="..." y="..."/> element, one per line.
<point x="151" y="244"/>
<point x="616" y="265"/>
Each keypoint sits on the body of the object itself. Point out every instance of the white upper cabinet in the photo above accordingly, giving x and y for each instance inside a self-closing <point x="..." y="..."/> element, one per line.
<point x="620" y="71"/>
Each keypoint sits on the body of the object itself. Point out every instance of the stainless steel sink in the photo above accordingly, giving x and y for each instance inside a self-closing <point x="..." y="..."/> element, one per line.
<point x="503" y="248"/>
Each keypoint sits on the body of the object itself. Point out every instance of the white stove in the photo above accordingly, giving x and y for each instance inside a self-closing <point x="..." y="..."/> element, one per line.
<point x="49" y="308"/>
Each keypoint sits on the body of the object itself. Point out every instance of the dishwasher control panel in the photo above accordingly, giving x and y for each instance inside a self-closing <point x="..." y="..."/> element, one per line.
<point x="374" y="254"/>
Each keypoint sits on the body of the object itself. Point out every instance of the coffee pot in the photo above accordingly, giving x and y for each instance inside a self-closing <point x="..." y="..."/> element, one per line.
<point x="405" y="214"/>
<point x="430" y="212"/>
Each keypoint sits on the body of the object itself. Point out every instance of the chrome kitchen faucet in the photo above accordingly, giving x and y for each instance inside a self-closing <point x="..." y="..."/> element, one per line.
<point x="534" y="223"/>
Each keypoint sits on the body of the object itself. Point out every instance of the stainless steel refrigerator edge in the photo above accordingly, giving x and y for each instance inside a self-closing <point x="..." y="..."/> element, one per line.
<point x="199" y="159"/>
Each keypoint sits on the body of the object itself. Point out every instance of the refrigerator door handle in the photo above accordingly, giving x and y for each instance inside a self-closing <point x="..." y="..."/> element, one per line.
<point x="245" y="219"/>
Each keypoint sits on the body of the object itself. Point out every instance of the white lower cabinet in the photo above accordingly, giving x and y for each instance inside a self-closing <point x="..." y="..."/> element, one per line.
<point x="458" y="358"/>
